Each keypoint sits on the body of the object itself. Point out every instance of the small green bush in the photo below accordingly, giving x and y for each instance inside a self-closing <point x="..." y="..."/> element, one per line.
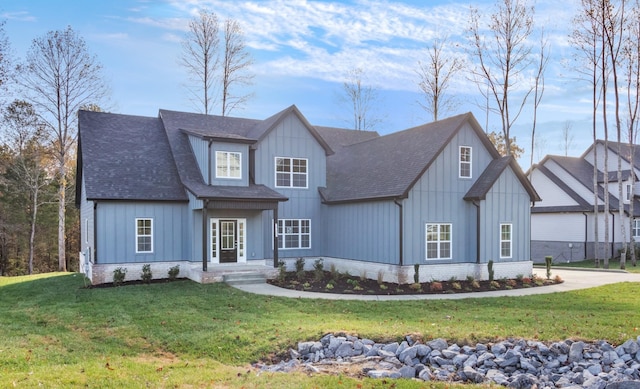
<point x="490" y="269"/>
<point x="416" y="273"/>
<point x="118" y="275"/>
<point x="548" y="260"/>
<point x="146" y="274"/>
<point x="318" y="269"/>
<point x="300" y="268"/>
<point x="173" y="272"/>
<point x="282" y="271"/>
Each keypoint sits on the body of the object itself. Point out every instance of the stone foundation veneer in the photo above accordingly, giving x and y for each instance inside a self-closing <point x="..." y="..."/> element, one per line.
<point x="404" y="274"/>
<point x="103" y="273"/>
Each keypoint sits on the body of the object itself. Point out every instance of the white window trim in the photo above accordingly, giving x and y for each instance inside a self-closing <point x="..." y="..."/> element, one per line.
<point x="277" y="235"/>
<point x="139" y="235"/>
<point x="242" y="239"/>
<point x="635" y="227"/>
<point x="86" y="230"/>
<point x="439" y="242"/>
<point x="627" y="193"/>
<point x="510" y="240"/>
<point x="291" y="173"/>
<point x="461" y="162"/>
<point x="228" y="153"/>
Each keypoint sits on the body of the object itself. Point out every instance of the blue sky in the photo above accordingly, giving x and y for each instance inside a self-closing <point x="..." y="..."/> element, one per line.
<point x="302" y="51"/>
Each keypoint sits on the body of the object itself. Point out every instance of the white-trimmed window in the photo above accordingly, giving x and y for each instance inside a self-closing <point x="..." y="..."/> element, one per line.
<point x="627" y="196"/>
<point x="228" y="164"/>
<point x="291" y="172"/>
<point x="438" y="238"/>
<point x="294" y="233"/>
<point x="144" y="235"/>
<point x="505" y="240"/>
<point x="464" y="170"/>
<point x="636" y="228"/>
<point x="86" y="230"/>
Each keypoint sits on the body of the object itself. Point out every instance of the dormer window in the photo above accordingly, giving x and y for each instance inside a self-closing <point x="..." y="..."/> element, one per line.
<point x="228" y="164"/>
<point x="627" y="193"/>
<point x="465" y="162"/>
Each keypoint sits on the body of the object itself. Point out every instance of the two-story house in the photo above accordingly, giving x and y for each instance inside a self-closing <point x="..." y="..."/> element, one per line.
<point x="564" y="223"/>
<point x="219" y="194"/>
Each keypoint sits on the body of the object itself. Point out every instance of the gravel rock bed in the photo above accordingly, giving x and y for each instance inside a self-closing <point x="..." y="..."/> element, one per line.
<point x="514" y="363"/>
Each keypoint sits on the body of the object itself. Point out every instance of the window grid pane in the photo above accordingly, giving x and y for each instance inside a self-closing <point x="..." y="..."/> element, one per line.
<point x="294" y="233"/>
<point x="291" y="172"/>
<point x="438" y="241"/>
<point x="505" y="240"/>
<point x="144" y="236"/>
<point x="465" y="162"/>
<point x="228" y="164"/>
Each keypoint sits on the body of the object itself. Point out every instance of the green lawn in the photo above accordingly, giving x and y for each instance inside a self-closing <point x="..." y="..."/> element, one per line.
<point x="614" y="264"/>
<point x="56" y="333"/>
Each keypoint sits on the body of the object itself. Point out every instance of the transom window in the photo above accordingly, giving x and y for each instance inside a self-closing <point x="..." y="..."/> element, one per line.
<point x="228" y="164"/>
<point x="438" y="241"/>
<point x="144" y="235"/>
<point x="294" y="233"/>
<point x="505" y="240"/>
<point x="291" y="172"/>
<point x="465" y="162"/>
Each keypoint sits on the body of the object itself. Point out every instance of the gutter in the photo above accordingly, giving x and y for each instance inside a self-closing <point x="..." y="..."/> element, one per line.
<point x="400" y="232"/>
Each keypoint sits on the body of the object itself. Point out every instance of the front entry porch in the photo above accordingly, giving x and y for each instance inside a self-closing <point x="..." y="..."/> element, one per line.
<point x="218" y="273"/>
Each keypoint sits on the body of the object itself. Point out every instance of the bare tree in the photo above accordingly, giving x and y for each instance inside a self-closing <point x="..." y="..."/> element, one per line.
<point x="567" y="137"/>
<point x="631" y="53"/>
<point x="200" y="57"/>
<point x="60" y="76"/>
<point x="586" y="38"/>
<point x="434" y="79"/>
<point x="29" y="168"/>
<point x="503" y="57"/>
<point x="6" y="70"/>
<point x="538" y="88"/>
<point x="235" y="67"/>
<point x="362" y="98"/>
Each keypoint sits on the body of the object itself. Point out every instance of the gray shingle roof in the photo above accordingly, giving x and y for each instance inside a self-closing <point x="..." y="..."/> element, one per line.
<point x="484" y="183"/>
<point x="126" y="157"/>
<point x="340" y="137"/>
<point x="187" y="166"/>
<point x="388" y="166"/>
<point x="582" y="171"/>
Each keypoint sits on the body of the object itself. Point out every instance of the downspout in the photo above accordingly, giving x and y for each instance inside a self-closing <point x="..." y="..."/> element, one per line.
<point x="205" y="205"/>
<point x="477" y="205"/>
<point x="400" y="233"/>
<point x="275" y="237"/>
<point x="95" y="232"/>
<point x="209" y="162"/>
<point x="613" y="234"/>
<point x="586" y="240"/>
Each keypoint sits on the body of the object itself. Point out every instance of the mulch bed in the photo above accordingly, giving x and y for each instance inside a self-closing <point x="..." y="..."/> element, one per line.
<point x="328" y="282"/>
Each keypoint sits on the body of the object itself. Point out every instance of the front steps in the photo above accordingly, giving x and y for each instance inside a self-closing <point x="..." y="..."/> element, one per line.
<point x="244" y="278"/>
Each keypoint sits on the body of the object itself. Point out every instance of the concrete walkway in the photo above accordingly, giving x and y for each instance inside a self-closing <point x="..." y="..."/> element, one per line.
<point x="573" y="280"/>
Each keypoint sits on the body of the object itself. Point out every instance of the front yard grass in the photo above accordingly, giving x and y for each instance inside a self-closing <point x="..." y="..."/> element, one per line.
<point x="56" y="333"/>
<point x="614" y="264"/>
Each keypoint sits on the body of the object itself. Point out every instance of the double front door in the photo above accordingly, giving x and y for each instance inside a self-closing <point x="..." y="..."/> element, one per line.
<point x="228" y="240"/>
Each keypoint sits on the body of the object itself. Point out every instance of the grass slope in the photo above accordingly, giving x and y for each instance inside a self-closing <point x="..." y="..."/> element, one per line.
<point x="182" y="334"/>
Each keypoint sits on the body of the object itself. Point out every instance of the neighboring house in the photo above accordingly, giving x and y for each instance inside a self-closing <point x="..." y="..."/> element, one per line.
<point x="563" y="223"/>
<point x="220" y="194"/>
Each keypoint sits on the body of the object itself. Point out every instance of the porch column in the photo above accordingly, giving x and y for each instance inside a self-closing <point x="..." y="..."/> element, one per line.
<point x="205" y="238"/>
<point x="275" y="236"/>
